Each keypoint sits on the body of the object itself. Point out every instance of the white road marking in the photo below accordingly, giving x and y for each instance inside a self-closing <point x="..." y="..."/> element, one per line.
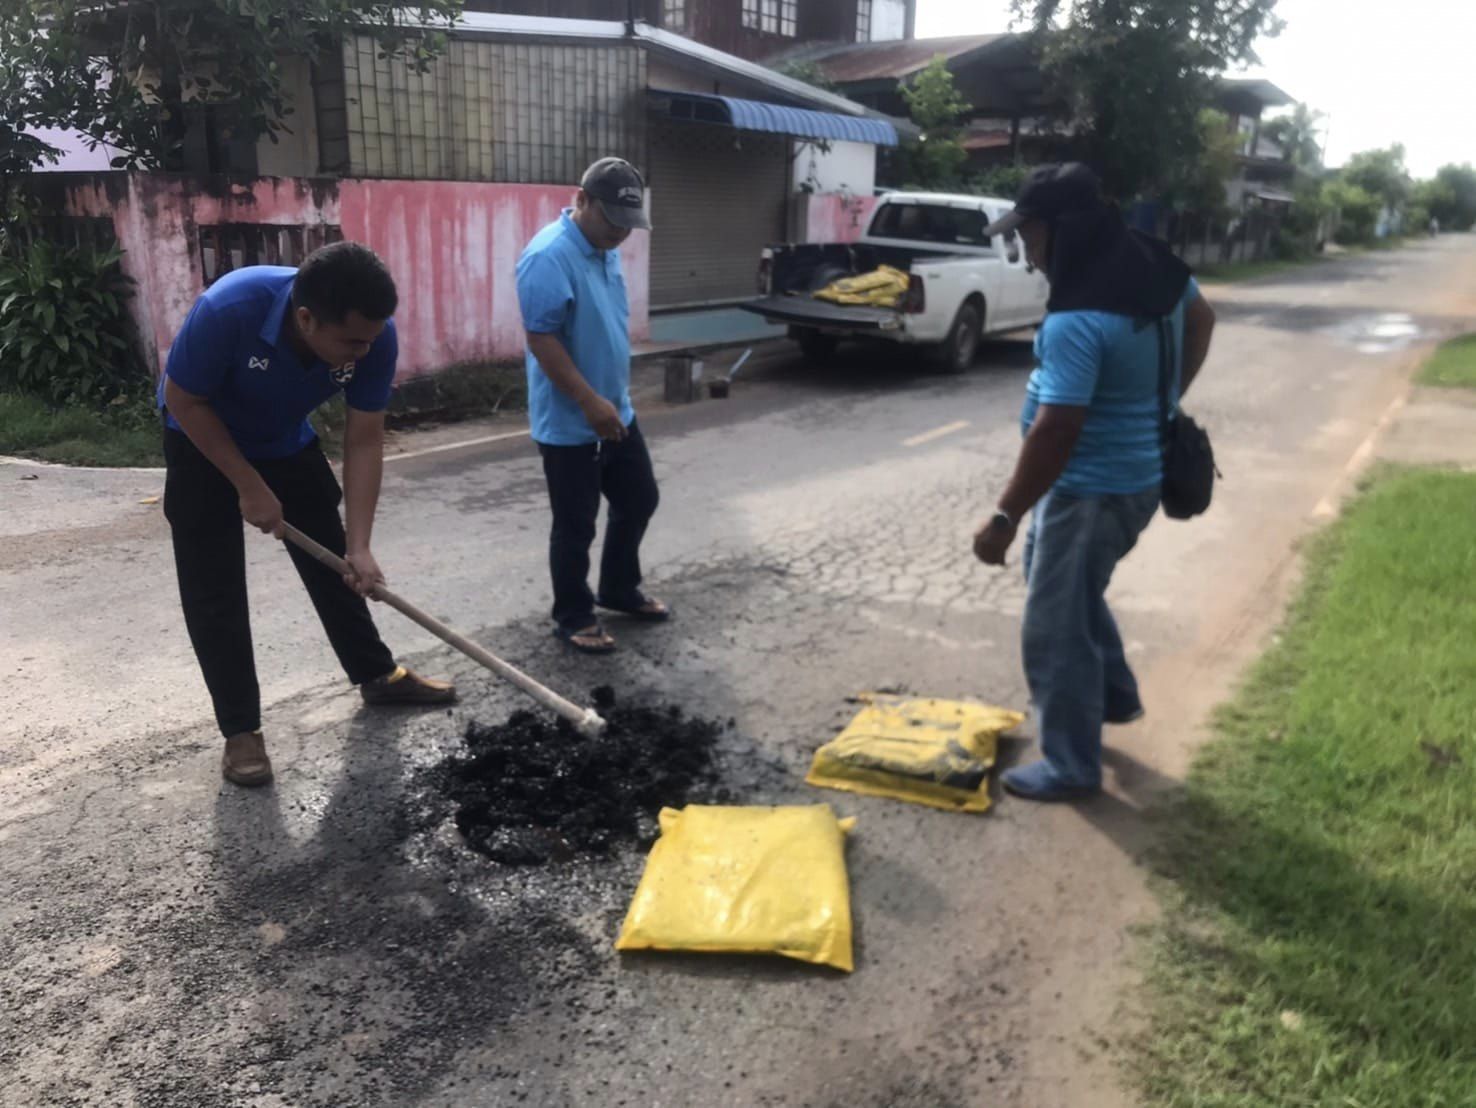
<point x="936" y="433"/>
<point x="462" y="445"/>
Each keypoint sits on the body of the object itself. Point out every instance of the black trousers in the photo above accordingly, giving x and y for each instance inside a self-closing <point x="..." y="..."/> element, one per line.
<point x="204" y="515"/>
<point x="577" y="477"/>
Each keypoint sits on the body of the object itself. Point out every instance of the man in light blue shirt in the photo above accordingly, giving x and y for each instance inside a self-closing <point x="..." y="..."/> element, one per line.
<point x="1091" y="467"/>
<point x="575" y="312"/>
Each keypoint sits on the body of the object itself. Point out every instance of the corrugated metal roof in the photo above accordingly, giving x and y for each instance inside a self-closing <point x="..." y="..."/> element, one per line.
<point x="778" y="119"/>
<point x="1269" y="94"/>
<point x="876" y="61"/>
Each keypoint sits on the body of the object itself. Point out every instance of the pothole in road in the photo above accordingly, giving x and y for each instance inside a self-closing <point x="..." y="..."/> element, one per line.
<point x="530" y="791"/>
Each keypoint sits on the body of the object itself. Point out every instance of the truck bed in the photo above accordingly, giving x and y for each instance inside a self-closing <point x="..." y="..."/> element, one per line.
<point x="805" y="311"/>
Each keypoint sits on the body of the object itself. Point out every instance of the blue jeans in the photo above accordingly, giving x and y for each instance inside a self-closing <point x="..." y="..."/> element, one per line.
<point x="1074" y="660"/>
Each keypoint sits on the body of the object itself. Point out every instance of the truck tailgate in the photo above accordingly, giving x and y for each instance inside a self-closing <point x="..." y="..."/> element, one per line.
<point x="803" y="311"/>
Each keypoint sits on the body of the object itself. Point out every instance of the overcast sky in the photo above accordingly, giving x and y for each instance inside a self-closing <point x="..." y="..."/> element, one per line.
<point x="1383" y="71"/>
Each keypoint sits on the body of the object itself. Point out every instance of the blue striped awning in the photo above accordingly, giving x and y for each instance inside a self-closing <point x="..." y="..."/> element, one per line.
<point x="779" y="119"/>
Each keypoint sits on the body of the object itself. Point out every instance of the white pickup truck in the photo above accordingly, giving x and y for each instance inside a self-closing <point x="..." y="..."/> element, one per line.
<point x="961" y="285"/>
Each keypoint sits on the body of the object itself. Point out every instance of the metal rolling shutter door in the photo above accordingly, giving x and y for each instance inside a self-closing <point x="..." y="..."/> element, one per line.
<point x="714" y="207"/>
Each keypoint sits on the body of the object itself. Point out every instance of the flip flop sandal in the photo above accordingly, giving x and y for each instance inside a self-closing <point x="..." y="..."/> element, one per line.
<point x="639" y="611"/>
<point x="596" y="632"/>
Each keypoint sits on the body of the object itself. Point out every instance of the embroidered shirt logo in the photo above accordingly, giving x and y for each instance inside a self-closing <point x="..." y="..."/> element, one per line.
<point x="259" y="363"/>
<point x="343" y="374"/>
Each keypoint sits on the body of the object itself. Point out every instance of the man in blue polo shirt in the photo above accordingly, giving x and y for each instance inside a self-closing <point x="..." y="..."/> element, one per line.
<point x="1121" y="310"/>
<point x="261" y="349"/>
<point x="575" y="312"/>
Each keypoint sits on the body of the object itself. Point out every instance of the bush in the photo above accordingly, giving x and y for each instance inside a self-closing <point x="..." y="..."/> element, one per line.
<point x="1299" y="234"/>
<point x="1358" y="213"/>
<point x="65" y="334"/>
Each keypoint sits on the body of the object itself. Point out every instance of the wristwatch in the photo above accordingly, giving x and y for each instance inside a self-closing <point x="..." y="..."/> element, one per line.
<point x="1003" y="516"/>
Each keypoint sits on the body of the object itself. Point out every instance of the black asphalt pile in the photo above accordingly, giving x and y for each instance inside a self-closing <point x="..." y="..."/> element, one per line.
<point x="531" y="791"/>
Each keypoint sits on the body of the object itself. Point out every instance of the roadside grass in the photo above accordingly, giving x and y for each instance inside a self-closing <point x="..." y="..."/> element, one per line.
<point x="1249" y="271"/>
<point x="1320" y="868"/>
<point x="129" y="434"/>
<point x="1453" y="365"/>
<point x="122" y="435"/>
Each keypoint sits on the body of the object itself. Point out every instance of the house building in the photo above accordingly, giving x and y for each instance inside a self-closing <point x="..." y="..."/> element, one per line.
<point x="751" y="29"/>
<point x="1263" y="174"/>
<point x="448" y="172"/>
<point x="1012" y="116"/>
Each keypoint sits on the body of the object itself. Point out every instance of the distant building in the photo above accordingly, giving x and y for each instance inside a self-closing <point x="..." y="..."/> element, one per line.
<point x="1263" y="174"/>
<point x="751" y="29"/>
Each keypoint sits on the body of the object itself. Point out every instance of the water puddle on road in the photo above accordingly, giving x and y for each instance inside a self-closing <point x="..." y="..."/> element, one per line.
<point x="1380" y="333"/>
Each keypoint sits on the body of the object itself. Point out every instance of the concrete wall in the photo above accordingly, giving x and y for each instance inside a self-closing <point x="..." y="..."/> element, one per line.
<point x="452" y="247"/>
<point x="835" y="217"/>
<point x="846" y="167"/>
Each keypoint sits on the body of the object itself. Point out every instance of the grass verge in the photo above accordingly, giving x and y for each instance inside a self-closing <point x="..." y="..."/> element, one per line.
<point x="1249" y="271"/>
<point x="1453" y="365"/>
<point x="1316" y="947"/>
<point x="129" y="434"/>
<point x="124" y="435"/>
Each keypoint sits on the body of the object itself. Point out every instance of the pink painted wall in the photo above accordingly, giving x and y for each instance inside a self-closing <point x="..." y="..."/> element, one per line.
<point x="452" y="247"/>
<point x="837" y="217"/>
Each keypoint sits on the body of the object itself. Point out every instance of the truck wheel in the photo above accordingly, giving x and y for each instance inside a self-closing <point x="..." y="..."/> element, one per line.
<point x="817" y="348"/>
<point x="961" y="346"/>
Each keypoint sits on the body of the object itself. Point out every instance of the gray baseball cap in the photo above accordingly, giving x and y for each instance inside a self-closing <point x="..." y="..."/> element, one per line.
<point x="620" y="190"/>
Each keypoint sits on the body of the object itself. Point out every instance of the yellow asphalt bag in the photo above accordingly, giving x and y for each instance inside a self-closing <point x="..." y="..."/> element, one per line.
<point x="933" y="752"/>
<point x="881" y="288"/>
<point x="746" y="880"/>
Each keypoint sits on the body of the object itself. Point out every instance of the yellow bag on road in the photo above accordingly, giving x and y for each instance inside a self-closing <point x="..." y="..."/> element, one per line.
<point x="881" y="288"/>
<point x="933" y="752"/>
<point x="746" y="880"/>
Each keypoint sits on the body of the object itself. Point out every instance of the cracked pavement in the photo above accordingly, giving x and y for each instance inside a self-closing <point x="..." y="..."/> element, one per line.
<point x="167" y="940"/>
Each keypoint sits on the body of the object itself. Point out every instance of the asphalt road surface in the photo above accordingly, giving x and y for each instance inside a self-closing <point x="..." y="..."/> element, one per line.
<point x="166" y="940"/>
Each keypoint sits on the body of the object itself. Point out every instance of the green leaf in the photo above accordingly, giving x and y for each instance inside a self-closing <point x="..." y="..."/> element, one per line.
<point x="63" y="342"/>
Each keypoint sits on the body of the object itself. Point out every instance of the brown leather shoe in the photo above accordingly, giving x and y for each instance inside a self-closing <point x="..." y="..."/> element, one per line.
<point x="245" y="762"/>
<point x="405" y="686"/>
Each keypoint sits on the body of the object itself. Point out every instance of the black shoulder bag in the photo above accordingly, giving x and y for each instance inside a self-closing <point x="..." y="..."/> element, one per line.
<point x="1189" y="469"/>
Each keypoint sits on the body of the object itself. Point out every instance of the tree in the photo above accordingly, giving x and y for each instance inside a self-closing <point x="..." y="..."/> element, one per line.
<point x="809" y="72"/>
<point x="133" y="74"/>
<point x="1455" y="201"/>
<point x="937" y="107"/>
<point x="1136" y="74"/>
<point x="1381" y="174"/>
<point x="1356" y="209"/>
<point x="1296" y="134"/>
<point x="1199" y="184"/>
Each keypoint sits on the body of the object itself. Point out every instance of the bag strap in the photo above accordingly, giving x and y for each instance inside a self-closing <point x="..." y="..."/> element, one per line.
<point x="1165" y="377"/>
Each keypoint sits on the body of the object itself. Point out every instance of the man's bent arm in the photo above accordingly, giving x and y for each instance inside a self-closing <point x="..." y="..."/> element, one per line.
<point x="1043" y="457"/>
<point x="559" y="368"/>
<point x="1199" y="326"/>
